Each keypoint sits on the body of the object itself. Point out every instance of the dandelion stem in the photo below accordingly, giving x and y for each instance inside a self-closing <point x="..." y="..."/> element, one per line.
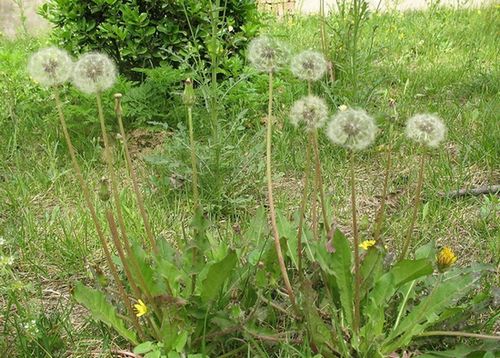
<point x="357" y="273"/>
<point x="194" y="164"/>
<point x="133" y="176"/>
<point x="121" y="254"/>
<point x="116" y="240"/>
<point x="315" y="194"/>
<point x="90" y="206"/>
<point x="307" y="171"/>
<point x="381" y="211"/>
<point x="459" y="334"/>
<point x="272" y="211"/>
<point x="116" y="197"/>
<point x="416" y="207"/>
<point x="319" y="180"/>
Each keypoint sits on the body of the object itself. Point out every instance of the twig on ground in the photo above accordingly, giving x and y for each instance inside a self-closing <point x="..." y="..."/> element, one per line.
<point x="486" y="189"/>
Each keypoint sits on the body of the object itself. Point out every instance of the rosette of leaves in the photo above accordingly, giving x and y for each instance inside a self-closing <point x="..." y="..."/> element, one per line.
<point x="400" y="302"/>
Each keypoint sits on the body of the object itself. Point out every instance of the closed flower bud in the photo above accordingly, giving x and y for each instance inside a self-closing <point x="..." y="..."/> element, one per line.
<point x="94" y="73"/>
<point x="309" y="66"/>
<point x="104" y="189"/>
<point x="353" y="129"/>
<point x="188" y="97"/>
<point x="50" y="66"/>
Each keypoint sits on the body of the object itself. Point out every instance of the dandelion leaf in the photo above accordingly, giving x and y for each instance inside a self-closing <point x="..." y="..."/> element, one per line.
<point x="95" y="301"/>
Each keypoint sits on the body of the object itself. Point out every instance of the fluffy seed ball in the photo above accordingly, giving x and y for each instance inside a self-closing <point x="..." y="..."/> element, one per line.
<point x="50" y="66"/>
<point x="267" y="54"/>
<point x="311" y="111"/>
<point x="94" y="72"/>
<point x="309" y="65"/>
<point x="353" y="129"/>
<point x="426" y="129"/>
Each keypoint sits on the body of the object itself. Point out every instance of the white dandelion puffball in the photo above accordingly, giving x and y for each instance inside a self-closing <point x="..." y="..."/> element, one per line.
<point x="311" y="111"/>
<point x="309" y="65"/>
<point x="353" y="129"/>
<point x="426" y="129"/>
<point x="50" y="66"/>
<point x="267" y="54"/>
<point x="94" y="73"/>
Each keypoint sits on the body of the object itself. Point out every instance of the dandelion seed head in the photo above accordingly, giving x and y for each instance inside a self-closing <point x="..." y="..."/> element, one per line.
<point x="50" y="66"/>
<point x="267" y="54"/>
<point x="94" y="72"/>
<point x="311" y="111"/>
<point x="426" y="129"/>
<point x="353" y="129"/>
<point x="309" y="65"/>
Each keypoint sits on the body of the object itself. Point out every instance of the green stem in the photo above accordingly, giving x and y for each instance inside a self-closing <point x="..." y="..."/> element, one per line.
<point x="357" y="273"/>
<point x="381" y="211"/>
<point x="214" y="66"/>
<point x="133" y="176"/>
<point x="272" y="211"/>
<point x="324" y="42"/>
<point x="90" y="206"/>
<point x="416" y="207"/>
<point x="194" y="164"/>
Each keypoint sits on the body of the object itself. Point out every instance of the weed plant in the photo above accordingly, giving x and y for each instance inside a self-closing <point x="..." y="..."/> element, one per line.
<point x="210" y="289"/>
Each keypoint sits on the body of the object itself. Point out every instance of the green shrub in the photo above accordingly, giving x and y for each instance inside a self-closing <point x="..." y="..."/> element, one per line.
<point x="147" y="33"/>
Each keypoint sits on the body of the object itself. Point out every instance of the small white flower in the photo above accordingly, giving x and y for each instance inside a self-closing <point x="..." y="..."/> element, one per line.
<point x="267" y="54"/>
<point x="309" y="65"/>
<point x="353" y="129"/>
<point x="6" y="260"/>
<point x="426" y="129"/>
<point x="50" y="66"/>
<point x="2" y="241"/>
<point x="31" y="328"/>
<point x="94" y="73"/>
<point x="311" y="111"/>
<point x="343" y="108"/>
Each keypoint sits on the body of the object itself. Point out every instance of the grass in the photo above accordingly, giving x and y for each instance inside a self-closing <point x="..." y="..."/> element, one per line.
<point x="443" y="61"/>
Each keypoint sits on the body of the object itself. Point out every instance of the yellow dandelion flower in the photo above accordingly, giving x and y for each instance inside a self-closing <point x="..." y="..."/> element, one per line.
<point x="367" y="244"/>
<point x="140" y="308"/>
<point x="445" y="258"/>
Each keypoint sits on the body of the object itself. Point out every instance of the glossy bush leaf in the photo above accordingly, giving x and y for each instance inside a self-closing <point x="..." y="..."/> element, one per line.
<point x="95" y="301"/>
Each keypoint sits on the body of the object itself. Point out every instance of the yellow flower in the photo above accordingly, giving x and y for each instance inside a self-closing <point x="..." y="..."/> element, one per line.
<point x="445" y="258"/>
<point x="140" y="308"/>
<point x="367" y="244"/>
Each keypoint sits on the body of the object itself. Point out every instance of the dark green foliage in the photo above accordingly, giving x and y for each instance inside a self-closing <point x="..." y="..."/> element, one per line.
<point x="147" y="33"/>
